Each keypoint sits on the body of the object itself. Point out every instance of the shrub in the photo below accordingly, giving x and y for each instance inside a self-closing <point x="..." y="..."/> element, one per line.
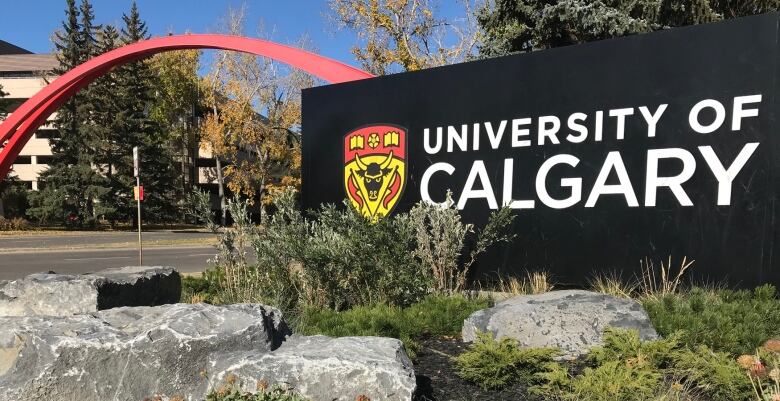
<point x="197" y="205"/>
<point x="625" y="345"/>
<point x="616" y="381"/>
<point x="199" y="289"/>
<point x="730" y="321"/>
<point x="337" y="259"/>
<point x="441" y="236"/>
<point x="442" y="315"/>
<point x="497" y="364"/>
<point x="237" y="279"/>
<point x="628" y="369"/>
<point x="14" y="224"/>
<point x="715" y="374"/>
<point x="435" y="316"/>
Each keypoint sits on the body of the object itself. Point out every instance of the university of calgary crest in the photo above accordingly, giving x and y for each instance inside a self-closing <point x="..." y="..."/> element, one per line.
<point x="375" y="168"/>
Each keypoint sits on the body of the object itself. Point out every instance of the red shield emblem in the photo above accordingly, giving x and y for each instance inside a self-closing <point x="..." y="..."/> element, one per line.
<point x="375" y="168"/>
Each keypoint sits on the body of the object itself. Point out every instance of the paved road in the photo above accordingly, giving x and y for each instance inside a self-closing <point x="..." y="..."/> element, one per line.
<point x="68" y="253"/>
<point x="83" y="240"/>
<point x="15" y="265"/>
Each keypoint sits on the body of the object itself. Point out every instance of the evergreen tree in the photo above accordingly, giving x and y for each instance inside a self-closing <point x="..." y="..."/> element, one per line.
<point x="135" y="93"/>
<point x="106" y="130"/>
<point x="511" y="26"/>
<point x="71" y="185"/>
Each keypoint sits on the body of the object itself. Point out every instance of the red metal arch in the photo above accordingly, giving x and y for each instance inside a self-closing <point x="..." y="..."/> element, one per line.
<point x="22" y="123"/>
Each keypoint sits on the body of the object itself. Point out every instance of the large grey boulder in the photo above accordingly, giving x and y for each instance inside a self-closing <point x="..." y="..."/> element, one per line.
<point x="325" y="369"/>
<point x="129" y="353"/>
<point x="64" y="295"/>
<point x="572" y="320"/>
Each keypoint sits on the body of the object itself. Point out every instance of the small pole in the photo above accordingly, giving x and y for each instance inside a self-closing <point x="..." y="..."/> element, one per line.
<point x="137" y="192"/>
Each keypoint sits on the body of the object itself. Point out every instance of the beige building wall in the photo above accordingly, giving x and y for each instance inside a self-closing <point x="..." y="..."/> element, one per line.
<point x="22" y="76"/>
<point x="33" y="157"/>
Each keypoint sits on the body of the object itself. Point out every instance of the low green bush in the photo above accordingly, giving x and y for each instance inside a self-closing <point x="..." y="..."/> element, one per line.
<point x="199" y="289"/>
<point x="435" y="315"/>
<point x="736" y="322"/>
<point x="623" y="369"/>
<point x="616" y="381"/>
<point x="497" y="364"/>
<point x="713" y="373"/>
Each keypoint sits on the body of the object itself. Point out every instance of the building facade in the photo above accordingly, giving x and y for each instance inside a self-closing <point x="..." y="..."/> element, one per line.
<point x="22" y="74"/>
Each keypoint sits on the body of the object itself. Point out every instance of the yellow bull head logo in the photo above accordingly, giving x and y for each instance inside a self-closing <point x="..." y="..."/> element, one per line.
<point x="374" y="175"/>
<point x="375" y="168"/>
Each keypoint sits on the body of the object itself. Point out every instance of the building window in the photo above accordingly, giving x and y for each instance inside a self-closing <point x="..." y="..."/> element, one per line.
<point x="23" y="160"/>
<point x="45" y="159"/>
<point x="47" y="134"/>
<point x="201" y="162"/>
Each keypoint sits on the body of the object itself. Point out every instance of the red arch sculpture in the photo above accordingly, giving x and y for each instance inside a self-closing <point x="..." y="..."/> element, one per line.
<point x="22" y="123"/>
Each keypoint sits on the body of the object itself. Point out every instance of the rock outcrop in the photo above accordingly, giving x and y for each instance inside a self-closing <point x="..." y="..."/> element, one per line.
<point x="90" y="338"/>
<point x="128" y="353"/>
<point x="64" y="295"/>
<point x="325" y="369"/>
<point x="572" y="320"/>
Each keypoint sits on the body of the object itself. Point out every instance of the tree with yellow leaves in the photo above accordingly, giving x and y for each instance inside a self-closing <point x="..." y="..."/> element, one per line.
<point x="406" y="34"/>
<point x="177" y="107"/>
<point x="254" y="120"/>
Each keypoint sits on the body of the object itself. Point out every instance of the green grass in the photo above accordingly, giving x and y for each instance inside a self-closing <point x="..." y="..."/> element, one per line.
<point x="433" y="316"/>
<point x="736" y="322"/>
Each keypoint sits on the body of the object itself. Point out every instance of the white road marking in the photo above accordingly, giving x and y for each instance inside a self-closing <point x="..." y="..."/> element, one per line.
<point x="105" y="258"/>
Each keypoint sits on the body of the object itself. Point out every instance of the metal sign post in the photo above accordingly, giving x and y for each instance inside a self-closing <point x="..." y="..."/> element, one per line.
<point x="138" y="192"/>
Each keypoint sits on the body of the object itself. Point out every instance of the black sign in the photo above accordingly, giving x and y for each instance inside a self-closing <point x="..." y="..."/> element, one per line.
<point x="609" y="152"/>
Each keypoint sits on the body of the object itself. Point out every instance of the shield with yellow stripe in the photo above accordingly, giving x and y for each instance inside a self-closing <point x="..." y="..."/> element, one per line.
<point x="375" y="168"/>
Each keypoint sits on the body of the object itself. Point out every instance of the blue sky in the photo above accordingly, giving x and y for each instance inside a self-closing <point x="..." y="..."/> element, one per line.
<point x="30" y="23"/>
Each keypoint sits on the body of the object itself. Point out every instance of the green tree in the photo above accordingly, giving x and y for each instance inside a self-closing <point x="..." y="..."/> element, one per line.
<point x="511" y="26"/>
<point x="135" y="94"/>
<point x="71" y="186"/>
<point x="106" y="130"/>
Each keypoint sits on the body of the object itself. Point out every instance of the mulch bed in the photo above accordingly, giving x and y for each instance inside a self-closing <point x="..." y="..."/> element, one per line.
<point x="438" y="380"/>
